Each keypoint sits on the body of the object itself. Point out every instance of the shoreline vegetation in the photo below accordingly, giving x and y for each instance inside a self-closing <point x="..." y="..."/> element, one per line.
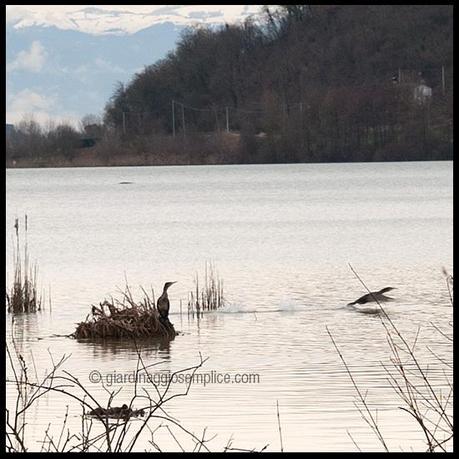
<point x="294" y="85"/>
<point x="92" y="160"/>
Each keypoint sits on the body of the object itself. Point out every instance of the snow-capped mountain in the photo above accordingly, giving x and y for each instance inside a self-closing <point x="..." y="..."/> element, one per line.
<point x="123" y="19"/>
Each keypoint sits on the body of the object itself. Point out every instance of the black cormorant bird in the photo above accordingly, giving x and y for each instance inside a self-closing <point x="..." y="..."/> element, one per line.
<point x="163" y="302"/>
<point x="374" y="296"/>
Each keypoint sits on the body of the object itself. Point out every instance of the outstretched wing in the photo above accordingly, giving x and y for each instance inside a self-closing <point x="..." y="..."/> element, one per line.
<point x="362" y="300"/>
<point x="386" y="289"/>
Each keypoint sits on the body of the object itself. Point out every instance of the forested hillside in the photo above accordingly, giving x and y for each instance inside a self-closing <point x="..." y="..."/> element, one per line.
<point x="299" y="84"/>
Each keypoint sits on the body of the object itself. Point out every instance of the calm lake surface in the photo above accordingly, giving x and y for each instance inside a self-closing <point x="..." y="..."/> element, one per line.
<point x="281" y="238"/>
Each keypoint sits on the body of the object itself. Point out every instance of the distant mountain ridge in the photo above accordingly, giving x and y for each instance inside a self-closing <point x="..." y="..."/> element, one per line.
<point x="126" y="20"/>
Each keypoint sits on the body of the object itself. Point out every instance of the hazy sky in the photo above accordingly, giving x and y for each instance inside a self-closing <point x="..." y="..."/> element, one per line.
<point x="53" y="74"/>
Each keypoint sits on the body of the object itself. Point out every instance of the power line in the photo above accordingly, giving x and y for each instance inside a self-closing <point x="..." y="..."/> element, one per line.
<point x="403" y="76"/>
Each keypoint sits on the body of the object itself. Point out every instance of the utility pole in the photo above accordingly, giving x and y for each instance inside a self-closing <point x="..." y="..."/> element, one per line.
<point x="217" y="124"/>
<point x="284" y="116"/>
<point x="443" y="78"/>
<point x="173" y="119"/>
<point x="227" y="119"/>
<point x="183" y="121"/>
<point x="302" y="125"/>
<point x="124" y="123"/>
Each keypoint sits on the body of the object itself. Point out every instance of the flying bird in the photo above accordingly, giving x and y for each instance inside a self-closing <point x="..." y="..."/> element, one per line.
<point x="374" y="296"/>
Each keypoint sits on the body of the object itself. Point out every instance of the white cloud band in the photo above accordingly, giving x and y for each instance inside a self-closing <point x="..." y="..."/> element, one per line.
<point x="31" y="60"/>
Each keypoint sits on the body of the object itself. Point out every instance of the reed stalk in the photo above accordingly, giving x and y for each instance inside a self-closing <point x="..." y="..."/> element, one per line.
<point x="210" y="296"/>
<point x="23" y="296"/>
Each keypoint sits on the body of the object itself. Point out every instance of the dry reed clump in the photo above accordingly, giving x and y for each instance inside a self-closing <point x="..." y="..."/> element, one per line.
<point x="23" y="295"/>
<point x="125" y="319"/>
<point x="210" y="296"/>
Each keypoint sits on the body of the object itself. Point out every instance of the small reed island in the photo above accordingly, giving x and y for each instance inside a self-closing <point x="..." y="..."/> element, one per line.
<point x="128" y="319"/>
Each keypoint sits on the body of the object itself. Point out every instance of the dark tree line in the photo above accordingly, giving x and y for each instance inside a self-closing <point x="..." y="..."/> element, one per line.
<point x="33" y="144"/>
<point x="301" y="83"/>
<point x="324" y="77"/>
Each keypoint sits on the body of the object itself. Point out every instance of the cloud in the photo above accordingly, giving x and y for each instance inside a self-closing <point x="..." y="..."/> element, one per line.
<point x="31" y="60"/>
<point x="29" y="101"/>
<point x="32" y="105"/>
<point x="106" y="66"/>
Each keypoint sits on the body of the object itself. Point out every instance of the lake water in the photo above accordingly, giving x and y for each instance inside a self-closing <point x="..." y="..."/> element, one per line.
<point x="281" y="238"/>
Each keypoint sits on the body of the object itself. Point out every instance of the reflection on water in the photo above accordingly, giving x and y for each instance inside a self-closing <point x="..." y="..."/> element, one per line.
<point x="281" y="238"/>
<point x="372" y="310"/>
<point x="111" y="348"/>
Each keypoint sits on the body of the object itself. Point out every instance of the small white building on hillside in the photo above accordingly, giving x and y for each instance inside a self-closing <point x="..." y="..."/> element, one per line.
<point x="422" y="92"/>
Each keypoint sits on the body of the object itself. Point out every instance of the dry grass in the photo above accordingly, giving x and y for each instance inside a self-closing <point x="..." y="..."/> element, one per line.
<point x="210" y="296"/>
<point x="23" y="296"/>
<point x="125" y="318"/>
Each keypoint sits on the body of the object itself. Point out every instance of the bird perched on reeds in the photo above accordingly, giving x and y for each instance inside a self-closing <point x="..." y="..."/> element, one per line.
<point x="374" y="296"/>
<point x="163" y="302"/>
